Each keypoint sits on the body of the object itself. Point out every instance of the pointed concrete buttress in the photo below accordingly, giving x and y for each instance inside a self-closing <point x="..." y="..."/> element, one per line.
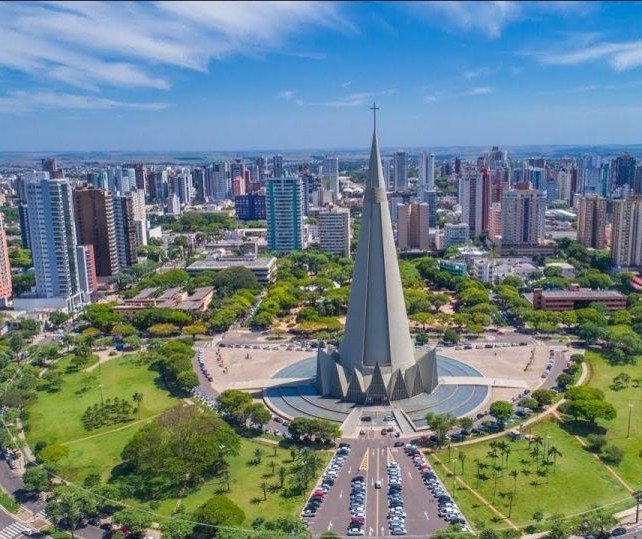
<point x="376" y="343"/>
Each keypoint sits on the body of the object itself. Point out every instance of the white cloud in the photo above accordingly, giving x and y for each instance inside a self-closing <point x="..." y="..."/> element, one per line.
<point x="486" y="17"/>
<point x="286" y="95"/>
<point x="479" y="72"/>
<point x="78" y="42"/>
<point x="479" y="90"/>
<point x="430" y="98"/>
<point x="17" y="102"/>
<point x="357" y="99"/>
<point x="491" y="17"/>
<point x="619" y="55"/>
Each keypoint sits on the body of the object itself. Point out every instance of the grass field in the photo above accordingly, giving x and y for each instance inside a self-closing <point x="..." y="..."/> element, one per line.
<point x="602" y="376"/>
<point x="56" y="417"/>
<point x="245" y="480"/>
<point x="579" y="482"/>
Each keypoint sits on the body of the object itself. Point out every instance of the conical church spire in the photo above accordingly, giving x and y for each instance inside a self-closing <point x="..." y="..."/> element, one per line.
<point x="376" y="345"/>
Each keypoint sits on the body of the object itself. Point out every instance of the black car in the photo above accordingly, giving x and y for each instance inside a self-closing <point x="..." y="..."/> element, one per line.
<point x="399" y="444"/>
<point x="618" y="531"/>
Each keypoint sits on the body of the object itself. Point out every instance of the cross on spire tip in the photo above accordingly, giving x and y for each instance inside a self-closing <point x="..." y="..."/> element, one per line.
<point x="374" y="110"/>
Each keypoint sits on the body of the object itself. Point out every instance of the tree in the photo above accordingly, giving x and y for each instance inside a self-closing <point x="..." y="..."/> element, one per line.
<point x="596" y="442"/>
<point x="528" y="402"/>
<point x="58" y="318"/>
<point x="133" y="519"/>
<point x="259" y="414"/>
<point x="137" y="397"/>
<point x="235" y="404"/>
<point x="543" y="397"/>
<point x="176" y="528"/>
<point x="67" y="504"/>
<point x="36" y="478"/>
<point x="180" y="449"/>
<point x="282" y="473"/>
<point x="218" y="511"/>
<point x="613" y="454"/>
<point x="440" y="424"/>
<point x="466" y="422"/>
<point x="258" y="455"/>
<point x="194" y="330"/>
<point x="264" y="486"/>
<point x="564" y="380"/>
<point x="501" y="410"/>
<point x="451" y="336"/>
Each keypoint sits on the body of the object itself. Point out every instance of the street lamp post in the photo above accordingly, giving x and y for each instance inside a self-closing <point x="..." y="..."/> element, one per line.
<point x="628" y="429"/>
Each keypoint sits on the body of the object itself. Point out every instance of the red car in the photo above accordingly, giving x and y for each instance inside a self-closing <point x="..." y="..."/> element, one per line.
<point x="358" y="521"/>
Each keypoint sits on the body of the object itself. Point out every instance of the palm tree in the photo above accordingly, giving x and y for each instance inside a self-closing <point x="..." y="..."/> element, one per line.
<point x="258" y="455"/>
<point x="514" y="474"/>
<point x="272" y="465"/>
<point x="478" y="462"/>
<point x="137" y="397"/>
<point x="282" y="472"/>
<point x="264" y="486"/>
<point x="554" y="452"/>
<point x="462" y="458"/>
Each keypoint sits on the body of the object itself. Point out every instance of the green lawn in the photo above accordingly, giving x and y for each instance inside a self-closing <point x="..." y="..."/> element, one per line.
<point x="244" y="485"/>
<point x="56" y="417"/>
<point x="578" y="483"/>
<point x="602" y="377"/>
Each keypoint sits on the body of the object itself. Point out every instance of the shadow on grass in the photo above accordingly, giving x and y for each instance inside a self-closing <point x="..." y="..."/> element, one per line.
<point x="581" y="428"/>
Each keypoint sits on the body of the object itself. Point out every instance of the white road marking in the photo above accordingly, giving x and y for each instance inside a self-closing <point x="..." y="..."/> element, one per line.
<point x="426" y="515"/>
<point x="330" y="525"/>
<point x="341" y="494"/>
<point x="370" y="531"/>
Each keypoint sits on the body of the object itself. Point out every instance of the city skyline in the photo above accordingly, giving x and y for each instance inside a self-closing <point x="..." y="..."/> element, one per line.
<point x="182" y="76"/>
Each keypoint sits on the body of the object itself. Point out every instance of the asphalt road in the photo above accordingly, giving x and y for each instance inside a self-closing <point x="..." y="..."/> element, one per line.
<point x="368" y="457"/>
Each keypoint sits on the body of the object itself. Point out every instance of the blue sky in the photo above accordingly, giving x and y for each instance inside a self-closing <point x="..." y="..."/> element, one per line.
<point x="233" y="76"/>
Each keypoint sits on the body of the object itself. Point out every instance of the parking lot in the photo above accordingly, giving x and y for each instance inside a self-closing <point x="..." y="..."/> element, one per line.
<point x="370" y="461"/>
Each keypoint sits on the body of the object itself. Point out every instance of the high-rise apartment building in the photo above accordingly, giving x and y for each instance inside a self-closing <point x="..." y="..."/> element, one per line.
<point x="277" y="166"/>
<point x="125" y="227"/>
<point x="334" y="231"/>
<point x="430" y="198"/>
<point x="387" y="176"/>
<point x="412" y="226"/>
<point x="87" y="280"/>
<point x="471" y="200"/>
<point x="6" y="290"/>
<point x="495" y="221"/>
<point x="591" y="224"/>
<point x="95" y="226"/>
<point x="250" y="207"/>
<point x="564" y="185"/>
<point x="184" y="186"/>
<point x="626" y="232"/>
<point x="624" y="170"/>
<point x="400" y="164"/>
<point x="523" y="216"/>
<point x="427" y="171"/>
<point x="23" y="213"/>
<point x="285" y="214"/>
<point x="53" y="240"/>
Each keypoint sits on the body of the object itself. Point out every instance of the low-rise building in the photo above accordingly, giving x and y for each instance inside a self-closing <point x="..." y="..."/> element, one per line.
<point x="568" y="271"/>
<point x="172" y="298"/>
<point x="263" y="268"/>
<point x="575" y="298"/>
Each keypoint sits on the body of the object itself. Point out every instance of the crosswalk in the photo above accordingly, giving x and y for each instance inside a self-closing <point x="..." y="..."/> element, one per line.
<point x="12" y="531"/>
<point x="41" y="515"/>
